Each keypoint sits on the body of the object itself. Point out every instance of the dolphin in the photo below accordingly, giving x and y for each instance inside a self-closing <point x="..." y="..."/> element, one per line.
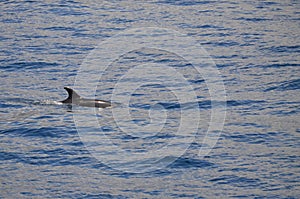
<point x="76" y="99"/>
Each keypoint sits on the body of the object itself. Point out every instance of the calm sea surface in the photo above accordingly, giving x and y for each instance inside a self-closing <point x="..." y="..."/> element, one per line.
<point x="50" y="150"/>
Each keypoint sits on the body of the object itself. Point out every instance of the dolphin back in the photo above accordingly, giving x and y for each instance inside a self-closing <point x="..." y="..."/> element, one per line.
<point x="72" y="96"/>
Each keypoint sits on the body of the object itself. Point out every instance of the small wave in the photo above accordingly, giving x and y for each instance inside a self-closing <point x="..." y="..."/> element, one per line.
<point x="29" y="65"/>
<point x="184" y="162"/>
<point x="286" y="85"/>
<point x="47" y="102"/>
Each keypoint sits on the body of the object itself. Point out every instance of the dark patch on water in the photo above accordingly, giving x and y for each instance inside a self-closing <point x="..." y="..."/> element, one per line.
<point x="237" y="181"/>
<point x="43" y="132"/>
<point x="185" y="2"/>
<point x="29" y="65"/>
<point x="286" y="85"/>
<point x="183" y="162"/>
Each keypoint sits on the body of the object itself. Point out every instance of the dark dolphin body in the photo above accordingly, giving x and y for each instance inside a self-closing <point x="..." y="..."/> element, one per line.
<point x="74" y="98"/>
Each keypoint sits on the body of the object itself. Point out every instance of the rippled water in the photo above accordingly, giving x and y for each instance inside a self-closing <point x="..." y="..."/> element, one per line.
<point x="51" y="150"/>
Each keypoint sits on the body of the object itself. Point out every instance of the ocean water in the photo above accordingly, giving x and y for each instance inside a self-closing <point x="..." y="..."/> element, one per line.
<point x="205" y="99"/>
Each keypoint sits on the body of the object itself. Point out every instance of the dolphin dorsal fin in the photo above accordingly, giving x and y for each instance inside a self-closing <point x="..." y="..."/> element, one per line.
<point x="72" y="95"/>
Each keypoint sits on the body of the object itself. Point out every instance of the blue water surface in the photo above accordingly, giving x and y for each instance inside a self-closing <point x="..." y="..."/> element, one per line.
<point x="44" y="154"/>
